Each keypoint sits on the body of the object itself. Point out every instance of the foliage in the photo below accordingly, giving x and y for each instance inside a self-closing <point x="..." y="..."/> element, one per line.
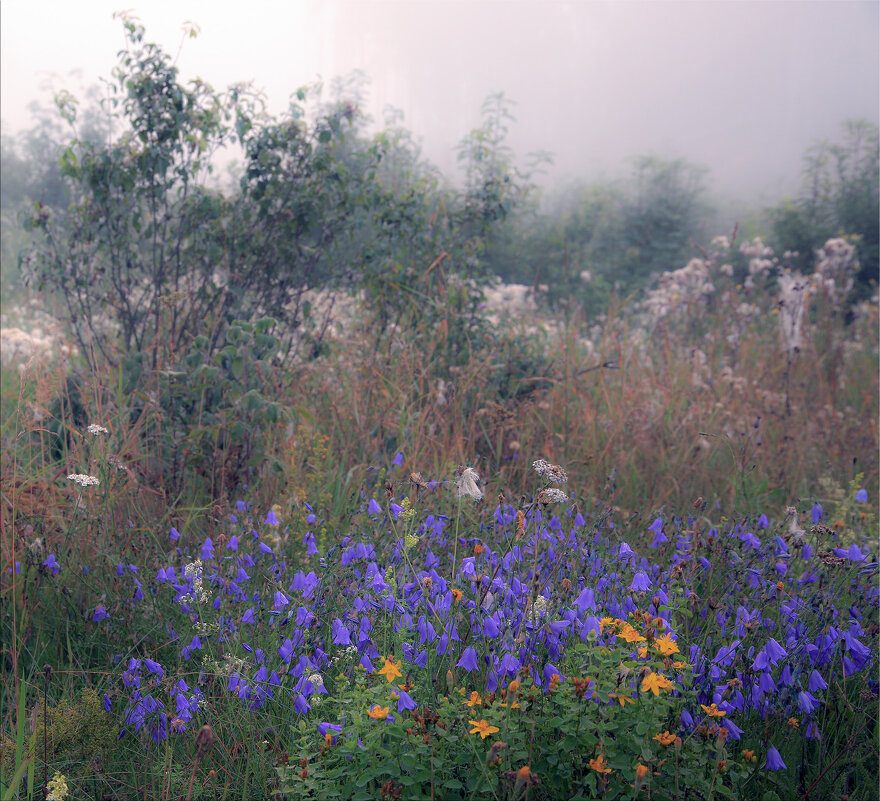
<point x="840" y="196"/>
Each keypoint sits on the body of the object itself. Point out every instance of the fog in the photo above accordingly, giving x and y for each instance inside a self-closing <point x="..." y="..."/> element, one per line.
<point x="742" y="88"/>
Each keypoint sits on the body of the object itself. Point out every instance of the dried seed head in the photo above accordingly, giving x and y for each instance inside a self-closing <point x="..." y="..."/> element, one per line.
<point x="204" y="740"/>
<point x="466" y="485"/>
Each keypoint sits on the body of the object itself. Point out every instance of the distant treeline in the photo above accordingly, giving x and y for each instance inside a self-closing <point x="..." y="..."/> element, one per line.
<point x="123" y="192"/>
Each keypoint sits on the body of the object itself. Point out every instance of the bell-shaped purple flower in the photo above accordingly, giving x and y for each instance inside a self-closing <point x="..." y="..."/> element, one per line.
<point x="774" y="760"/>
<point x="468" y="660"/>
<point x="640" y="582"/>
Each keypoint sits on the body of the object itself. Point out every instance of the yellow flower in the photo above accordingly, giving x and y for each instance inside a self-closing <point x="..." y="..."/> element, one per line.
<point x="605" y="621"/>
<point x="664" y="739"/>
<point x="390" y="671"/>
<point x="57" y="787"/>
<point x="641" y="771"/>
<point x="666" y="645"/>
<point x="680" y="665"/>
<point x="378" y="712"/>
<point x="713" y="711"/>
<point x="642" y="652"/>
<point x="654" y="682"/>
<point x="630" y="634"/>
<point x="474" y="699"/>
<point x="482" y="728"/>
<point x="599" y="764"/>
<point x="623" y="700"/>
<point x="457" y="594"/>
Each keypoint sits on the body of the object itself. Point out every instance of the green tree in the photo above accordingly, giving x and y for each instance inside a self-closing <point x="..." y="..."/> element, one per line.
<point x="840" y="196"/>
<point x="662" y="216"/>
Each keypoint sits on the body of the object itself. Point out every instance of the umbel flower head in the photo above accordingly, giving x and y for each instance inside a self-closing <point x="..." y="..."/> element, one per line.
<point x="551" y="495"/>
<point x="552" y="472"/>
<point x="83" y="480"/>
<point x="466" y="484"/>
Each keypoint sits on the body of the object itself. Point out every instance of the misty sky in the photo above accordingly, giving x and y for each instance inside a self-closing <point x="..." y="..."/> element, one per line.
<point x="740" y="87"/>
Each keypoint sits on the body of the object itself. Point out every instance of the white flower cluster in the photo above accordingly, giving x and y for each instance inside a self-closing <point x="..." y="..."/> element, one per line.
<point x="761" y="260"/>
<point x="692" y="284"/>
<point x="350" y="652"/>
<point x="83" y="480"/>
<point x="552" y="472"/>
<point x="552" y="495"/>
<point x="540" y="605"/>
<point x="97" y="430"/>
<point x="194" y="571"/>
<point x="836" y="265"/>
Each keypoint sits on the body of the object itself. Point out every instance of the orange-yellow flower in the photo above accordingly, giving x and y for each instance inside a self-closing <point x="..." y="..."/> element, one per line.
<point x="654" y="682"/>
<point x="623" y="700"/>
<point x="482" y="728"/>
<point x="641" y="771"/>
<point x="600" y="764"/>
<point x="680" y="665"/>
<point x="474" y="699"/>
<point x="794" y="722"/>
<point x="642" y="652"/>
<point x="749" y="755"/>
<point x="666" y="645"/>
<point x="630" y="634"/>
<point x="390" y="671"/>
<point x="713" y="711"/>
<point x="524" y="773"/>
<point x="379" y="712"/>
<point x="457" y="594"/>
<point x="605" y="621"/>
<point x="665" y="738"/>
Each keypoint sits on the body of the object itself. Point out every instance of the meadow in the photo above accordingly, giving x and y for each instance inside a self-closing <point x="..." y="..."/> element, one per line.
<point x="300" y="502"/>
<point x="629" y="558"/>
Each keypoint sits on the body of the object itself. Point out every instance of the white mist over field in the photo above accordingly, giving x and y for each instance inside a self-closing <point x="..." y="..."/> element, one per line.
<point x="742" y="88"/>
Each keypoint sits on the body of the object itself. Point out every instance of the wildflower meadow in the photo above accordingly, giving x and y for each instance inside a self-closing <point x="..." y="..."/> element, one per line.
<point x="429" y="536"/>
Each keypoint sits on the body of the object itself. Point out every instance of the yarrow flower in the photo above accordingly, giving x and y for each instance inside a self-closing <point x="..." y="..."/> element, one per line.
<point x="552" y="472"/>
<point x="97" y="430"/>
<point x="83" y="480"/>
<point x="552" y="495"/>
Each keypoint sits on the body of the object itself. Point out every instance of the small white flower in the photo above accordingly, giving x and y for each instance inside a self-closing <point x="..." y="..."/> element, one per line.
<point x="97" y="430"/>
<point x="552" y="472"/>
<point x="552" y="495"/>
<point x="83" y="480"/>
<point x="466" y="485"/>
<point x="540" y="605"/>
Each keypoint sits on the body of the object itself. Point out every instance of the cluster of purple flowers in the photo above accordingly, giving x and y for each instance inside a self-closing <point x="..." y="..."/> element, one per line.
<point x="772" y="641"/>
